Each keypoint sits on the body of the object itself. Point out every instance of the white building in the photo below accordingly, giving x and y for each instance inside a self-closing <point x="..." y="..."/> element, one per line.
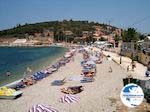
<point x="20" y="41"/>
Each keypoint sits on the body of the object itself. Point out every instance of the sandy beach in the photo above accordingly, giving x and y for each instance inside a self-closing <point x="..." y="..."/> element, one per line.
<point x="102" y="95"/>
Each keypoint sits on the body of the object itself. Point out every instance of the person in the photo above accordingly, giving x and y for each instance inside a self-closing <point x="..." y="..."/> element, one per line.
<point x="120" y="59"/>
<point x="148" y="70"/>
<point x="8" y="73"/>
<point x="110" y="69"/>
<point x="127" y="68"/>
<point x="133" y="65"/>
<point x="29" y="69"/>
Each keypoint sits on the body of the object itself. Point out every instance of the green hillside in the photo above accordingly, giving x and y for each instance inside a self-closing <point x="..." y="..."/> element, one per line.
<point x="57" y="26"/>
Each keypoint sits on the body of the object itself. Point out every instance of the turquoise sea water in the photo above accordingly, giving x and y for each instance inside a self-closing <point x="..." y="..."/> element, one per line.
<point x="17" y="59"/>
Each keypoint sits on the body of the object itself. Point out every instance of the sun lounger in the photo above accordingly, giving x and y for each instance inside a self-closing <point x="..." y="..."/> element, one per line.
<point x="99" y="62"/>
<point x="88" y="74"/>
<point x="87" y="79"/>
<point x="18" y="86"/>
<point x="62" y="63"/>
<point x="54" y="69"/>
<point x="58" y="82"/>
<point x="75" y="78"/>
<point x="39" y="75"/>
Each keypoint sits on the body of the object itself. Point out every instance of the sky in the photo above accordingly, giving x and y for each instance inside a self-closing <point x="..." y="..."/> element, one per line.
<point x="120" y="13"/>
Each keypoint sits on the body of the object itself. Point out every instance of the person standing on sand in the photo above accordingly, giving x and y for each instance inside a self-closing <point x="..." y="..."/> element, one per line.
<point x="120" y="59"/>
<point x="133" y="65"/>
<point x="127" y="68"/>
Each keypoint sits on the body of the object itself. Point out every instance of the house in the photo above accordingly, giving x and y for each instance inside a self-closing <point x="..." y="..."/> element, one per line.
<point x="85" y="34"/>
<point x="68" y="32"/>
<point x="98" y="32"/>
<point x="19" y="42"/>
<point x="47" y="37"/>
<point x="111" y="39"/>
<point x="117" y="32"/>
<point x="146" y="43"/>
<point x="51" y="37"/>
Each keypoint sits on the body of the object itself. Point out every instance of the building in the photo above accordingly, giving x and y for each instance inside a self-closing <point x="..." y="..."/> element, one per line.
<point x="19" y="42"/>
<point x="146" y="43"/>
<point x="117" y="32"/>
<point x="98" y="32"/>
<point x="85" y="34"/>
<point x="110" y="39"/>
<point x="51" y="37"/>
<point x="68" y="32"/>
<point x="6" y="41"/>
<point x="47" y="37"/>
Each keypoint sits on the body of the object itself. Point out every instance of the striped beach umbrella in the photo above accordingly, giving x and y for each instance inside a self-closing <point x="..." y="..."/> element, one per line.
<point x="42" y="108"/>
<point x="69" y="99"/>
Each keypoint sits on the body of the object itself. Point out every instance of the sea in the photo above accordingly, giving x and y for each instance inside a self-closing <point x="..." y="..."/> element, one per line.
<point x="17" y="62"/>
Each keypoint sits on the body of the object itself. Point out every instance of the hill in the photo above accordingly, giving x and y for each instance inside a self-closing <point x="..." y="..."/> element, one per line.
<point x="76" y="27"/>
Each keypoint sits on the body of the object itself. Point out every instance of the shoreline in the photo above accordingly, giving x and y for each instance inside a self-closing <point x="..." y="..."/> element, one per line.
<point x="38" y="69"/>
<point x="44" y="45"/>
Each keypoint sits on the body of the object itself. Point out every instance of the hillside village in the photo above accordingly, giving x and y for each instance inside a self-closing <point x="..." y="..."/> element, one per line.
<point x="67" y="32"/>
<point x="126" y="42"/>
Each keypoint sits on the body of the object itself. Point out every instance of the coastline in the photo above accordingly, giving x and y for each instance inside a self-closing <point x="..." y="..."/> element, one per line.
<point x="46" y="64"/>
<point x="19" y="80"/>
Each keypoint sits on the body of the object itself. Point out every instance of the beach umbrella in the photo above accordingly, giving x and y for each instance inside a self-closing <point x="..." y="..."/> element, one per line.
<point x="93" y="58"/>
<point x="69" y="99"/>
<point x="42" y="108"/>
<point x="90" y="62"/>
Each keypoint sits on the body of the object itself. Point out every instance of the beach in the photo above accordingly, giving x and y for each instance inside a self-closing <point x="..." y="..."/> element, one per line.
<point x="102" y="95"/>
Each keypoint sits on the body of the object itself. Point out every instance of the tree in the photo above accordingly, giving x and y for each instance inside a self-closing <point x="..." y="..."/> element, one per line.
<point x="117" y="38"/>
<point x="142" y="37"/>
<point x="130" y="35"/>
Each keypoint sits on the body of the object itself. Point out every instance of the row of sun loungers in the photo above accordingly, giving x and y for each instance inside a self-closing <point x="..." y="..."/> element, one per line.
<point x="89" y="66"/>
<point x="32" y="79"/>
